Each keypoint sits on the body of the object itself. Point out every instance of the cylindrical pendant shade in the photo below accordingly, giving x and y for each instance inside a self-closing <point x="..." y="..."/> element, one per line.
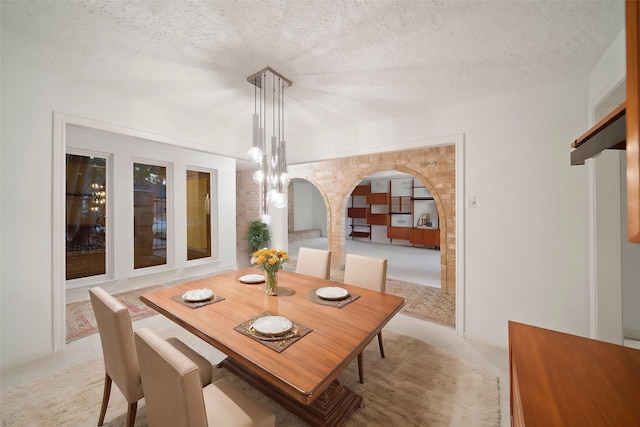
<point x="268" y="119"/>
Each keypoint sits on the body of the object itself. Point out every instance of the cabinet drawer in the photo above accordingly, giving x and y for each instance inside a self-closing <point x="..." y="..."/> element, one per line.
<point x="377" y="219"/>
<point x="398" y="233"/>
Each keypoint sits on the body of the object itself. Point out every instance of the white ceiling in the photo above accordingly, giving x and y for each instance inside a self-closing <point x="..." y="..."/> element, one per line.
<point x="351" y="62"/>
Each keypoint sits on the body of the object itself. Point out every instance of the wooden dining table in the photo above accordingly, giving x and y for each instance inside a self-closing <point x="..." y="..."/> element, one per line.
<point x="304" y="376"/>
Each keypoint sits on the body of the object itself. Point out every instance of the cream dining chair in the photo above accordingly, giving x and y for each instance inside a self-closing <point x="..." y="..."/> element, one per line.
<point x="314" y="262"/>
<point x="119" y="352"/>
<point x="175" y="396"/>
<point x="371" y="273"/>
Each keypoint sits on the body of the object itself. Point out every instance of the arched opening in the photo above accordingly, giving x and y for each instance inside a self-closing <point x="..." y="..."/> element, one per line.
<point x="307" y="217"/>
<point x="393" y="214"/>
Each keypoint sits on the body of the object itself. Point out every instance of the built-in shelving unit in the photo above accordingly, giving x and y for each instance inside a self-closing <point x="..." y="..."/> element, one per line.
<point x="401" y="210"/>
<point x="357" y="213"/>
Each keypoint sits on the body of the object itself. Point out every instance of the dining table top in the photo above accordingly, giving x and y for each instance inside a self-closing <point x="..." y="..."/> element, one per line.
<point x="307" y="367"/>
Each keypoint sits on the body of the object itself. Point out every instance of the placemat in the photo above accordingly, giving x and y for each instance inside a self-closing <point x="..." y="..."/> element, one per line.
<point x="178" y="298"/>
<point x="313" y="297"/>
<point x="274" y="343"/>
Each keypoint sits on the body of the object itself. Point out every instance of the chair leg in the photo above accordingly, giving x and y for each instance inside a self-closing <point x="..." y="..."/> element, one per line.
<point x="380" y="343"/>
<point x="105" y="398"/>
<point x="131" y="414"/>
<point x="360" y="368"/>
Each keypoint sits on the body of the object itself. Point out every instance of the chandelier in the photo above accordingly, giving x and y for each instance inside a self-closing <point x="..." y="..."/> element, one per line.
<point x="268" y="119"/>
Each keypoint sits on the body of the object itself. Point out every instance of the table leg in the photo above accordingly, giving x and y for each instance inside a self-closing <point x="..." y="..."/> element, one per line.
<point x="332" y="408"/>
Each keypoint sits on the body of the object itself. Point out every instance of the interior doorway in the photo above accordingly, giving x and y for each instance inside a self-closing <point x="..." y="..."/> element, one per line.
<point x="404" y="208"/>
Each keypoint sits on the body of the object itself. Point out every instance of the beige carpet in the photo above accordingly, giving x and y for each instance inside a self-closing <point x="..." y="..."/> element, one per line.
<point x="81" y="321"/>
<point x="415" y="385"/>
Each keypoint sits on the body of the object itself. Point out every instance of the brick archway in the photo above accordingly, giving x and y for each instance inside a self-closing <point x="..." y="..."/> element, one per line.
<point x="434" y="166"/>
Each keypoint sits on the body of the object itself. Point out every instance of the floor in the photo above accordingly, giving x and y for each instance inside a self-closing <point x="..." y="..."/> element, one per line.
<point x="494" y="360"/>
<point x="407" y="263"/>
<point x="415" y="265"/>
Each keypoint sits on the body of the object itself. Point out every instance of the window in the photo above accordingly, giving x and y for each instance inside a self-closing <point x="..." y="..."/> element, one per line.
<point x="198" y="215"/>
<point x="149" y="215"/>
<point x="86" y="208"/>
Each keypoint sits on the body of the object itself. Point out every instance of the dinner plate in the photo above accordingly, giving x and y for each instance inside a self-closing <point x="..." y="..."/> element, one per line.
<point x="272" y="325"/>
<point x="196" y="295"/>
<point x="252" y="278"/>
<point x="289" y="334"/>
<point x="332" y="293"/>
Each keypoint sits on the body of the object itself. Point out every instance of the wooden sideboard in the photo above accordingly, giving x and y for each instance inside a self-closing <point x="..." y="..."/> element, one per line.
<point x="559" y="379"/>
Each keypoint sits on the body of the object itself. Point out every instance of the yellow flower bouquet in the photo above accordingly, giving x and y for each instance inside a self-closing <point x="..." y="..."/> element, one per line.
<point x="270" y="261"/>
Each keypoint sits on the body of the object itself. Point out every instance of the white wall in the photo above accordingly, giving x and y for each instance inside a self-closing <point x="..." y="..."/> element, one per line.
<point x="310" y="210"/>
<point x="526" y="256"/>
<point x="29" y="97"/>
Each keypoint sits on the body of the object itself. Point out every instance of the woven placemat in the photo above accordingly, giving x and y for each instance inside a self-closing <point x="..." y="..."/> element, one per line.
<point x="276" y="344"/>
<point x="313" y="297"/>
<point x="178" y="298"/>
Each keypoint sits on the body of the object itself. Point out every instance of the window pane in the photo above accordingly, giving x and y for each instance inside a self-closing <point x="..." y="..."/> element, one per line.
<point x="198" y="215"/>
<point x="86" y="207"/>
<point x="149" y="215"/>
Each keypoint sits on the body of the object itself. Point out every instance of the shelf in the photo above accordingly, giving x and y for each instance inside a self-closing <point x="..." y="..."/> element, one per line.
<point x="422" y="198"/>
<point x="363" y="234"/>
<point x="399" y="213"/>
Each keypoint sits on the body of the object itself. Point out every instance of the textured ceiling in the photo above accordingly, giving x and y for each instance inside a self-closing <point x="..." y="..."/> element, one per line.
<point x="351" y="62"/>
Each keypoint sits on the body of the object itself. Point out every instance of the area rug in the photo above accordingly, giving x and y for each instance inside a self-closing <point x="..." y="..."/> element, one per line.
<point x="415" y="385"/>
<point x="425" y="302"/>
<point x="81" y="321"/>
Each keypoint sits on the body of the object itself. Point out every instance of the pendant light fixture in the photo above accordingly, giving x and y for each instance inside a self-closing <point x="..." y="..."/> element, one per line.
<point x="268" y="119"/>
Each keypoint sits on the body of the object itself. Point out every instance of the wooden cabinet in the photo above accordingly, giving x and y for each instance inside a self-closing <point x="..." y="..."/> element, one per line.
<point x="361" y="190"/>
<point x="559" y="379"/>
<point x="401" y="233"/>
<point x="425" y="236"/>
<point x="378" y="198"/>
<point x="377" y="219"/>
<point x="357" y="212"/>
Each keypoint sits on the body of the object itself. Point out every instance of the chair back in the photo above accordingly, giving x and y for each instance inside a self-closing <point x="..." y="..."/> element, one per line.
<point x="314" y="262"/>
<point x="172" y="383"/>
<point x="366" y="272"/>
<point x="118" y="347"/>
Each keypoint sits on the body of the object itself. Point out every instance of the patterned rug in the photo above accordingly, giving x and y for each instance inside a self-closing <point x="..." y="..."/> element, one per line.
<point x="80" y="319"/>
<point x="425" y="302"/>
<point x="421" y="301"/>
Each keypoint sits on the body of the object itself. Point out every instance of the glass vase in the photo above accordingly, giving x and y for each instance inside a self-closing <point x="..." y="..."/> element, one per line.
<point x="271" y="282"/>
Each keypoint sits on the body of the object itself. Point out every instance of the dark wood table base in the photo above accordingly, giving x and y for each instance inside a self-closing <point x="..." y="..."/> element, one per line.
<point x="332" y="408"/>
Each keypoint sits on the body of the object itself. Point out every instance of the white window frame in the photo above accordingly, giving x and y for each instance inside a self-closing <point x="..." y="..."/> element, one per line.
<point x="109" y="240"/>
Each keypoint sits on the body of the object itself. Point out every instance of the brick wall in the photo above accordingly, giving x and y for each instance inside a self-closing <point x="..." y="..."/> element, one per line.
<point x="335" y="179"/>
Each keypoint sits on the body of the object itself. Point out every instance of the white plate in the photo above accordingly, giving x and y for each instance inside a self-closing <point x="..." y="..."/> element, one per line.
<point x="196" y="295"/>
<point x="272" y="325"/>
<point x="252" y="278"/>
<point x="332" y="293"/>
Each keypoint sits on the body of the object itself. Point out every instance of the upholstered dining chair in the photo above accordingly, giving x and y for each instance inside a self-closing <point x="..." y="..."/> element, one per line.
<point x="175" y="396"/>
<point x="119" y="352"/>
<point x="371" y="273"/>
<point x="314" y="262"/>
